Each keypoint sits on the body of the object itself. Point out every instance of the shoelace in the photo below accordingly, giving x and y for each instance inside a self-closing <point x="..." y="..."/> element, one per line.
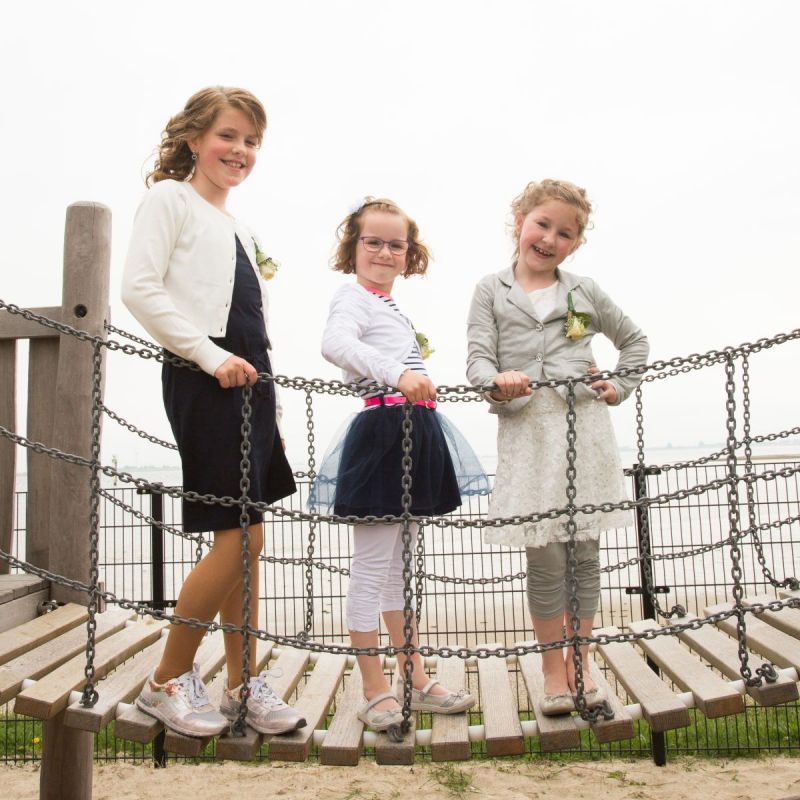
<point x="260" y="690"/>
<point x="195" y="688"/>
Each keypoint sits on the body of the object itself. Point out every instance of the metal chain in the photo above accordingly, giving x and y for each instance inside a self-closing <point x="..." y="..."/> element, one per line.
<point x="312" y="526"/>
<point x="244" y="523"/>
<point x="790" y="582"/>
<point x="426" y="651"/>
<point x="733" y="521"/>
<point x="420" y="572"/>
<point x="138" y="431"/>
<point x="90" y="696"/>
<point x="408" y="626"/>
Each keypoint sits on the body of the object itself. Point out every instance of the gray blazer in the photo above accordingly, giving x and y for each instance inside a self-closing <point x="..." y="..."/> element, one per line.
<point x="504" y="334"/>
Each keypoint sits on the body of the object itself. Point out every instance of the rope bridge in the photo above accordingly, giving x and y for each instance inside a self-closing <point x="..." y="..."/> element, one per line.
<point x="79" y="680"/>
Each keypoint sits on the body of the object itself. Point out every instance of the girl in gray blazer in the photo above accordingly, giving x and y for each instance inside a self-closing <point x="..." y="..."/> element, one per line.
<point x="534" y="322"/>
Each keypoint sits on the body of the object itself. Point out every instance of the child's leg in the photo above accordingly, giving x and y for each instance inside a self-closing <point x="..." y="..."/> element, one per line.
<point x="545" y="588"/>
<point x="392" y="605"/>
<point x="231" y="611"/>
<point x="587" y="574"/>
<point x="201" y="597"/>
<point x="373" y="546"/>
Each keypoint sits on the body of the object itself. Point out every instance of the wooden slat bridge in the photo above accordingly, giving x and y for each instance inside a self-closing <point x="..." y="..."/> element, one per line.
<point x="42" y="670"/>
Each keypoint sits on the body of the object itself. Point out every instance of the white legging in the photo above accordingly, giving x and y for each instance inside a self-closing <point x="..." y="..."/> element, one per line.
<point x="376" y="574"/>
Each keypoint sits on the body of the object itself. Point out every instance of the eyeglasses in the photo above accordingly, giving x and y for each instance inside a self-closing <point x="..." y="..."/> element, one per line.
<point x="397" y="247"/>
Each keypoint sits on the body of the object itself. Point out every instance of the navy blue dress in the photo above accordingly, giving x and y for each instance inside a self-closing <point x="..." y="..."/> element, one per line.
<point x="206" y="419"/>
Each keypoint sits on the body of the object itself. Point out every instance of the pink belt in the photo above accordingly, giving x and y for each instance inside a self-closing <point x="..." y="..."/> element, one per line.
<point x="393" y="400"/>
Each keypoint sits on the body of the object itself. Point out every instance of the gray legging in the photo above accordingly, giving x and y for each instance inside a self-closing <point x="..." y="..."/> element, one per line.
<point x="548" y="592"/>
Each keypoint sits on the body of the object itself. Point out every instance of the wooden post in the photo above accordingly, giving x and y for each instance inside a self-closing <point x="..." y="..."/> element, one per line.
<point x="42" y="372"/>
<point x="8" y="383"/>
<point x="66" y="761"/>
<point x="87" y="252"/>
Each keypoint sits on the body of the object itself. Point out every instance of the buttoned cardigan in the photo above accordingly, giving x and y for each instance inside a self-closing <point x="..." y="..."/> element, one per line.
<point x="504" y="334"/>
<point x="179" y="271"/>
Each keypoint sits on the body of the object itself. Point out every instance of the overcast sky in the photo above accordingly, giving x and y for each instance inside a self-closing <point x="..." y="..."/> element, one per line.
<point x="680" y="118"/>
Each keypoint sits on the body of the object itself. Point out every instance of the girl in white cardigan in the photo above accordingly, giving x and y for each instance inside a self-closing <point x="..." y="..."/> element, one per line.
<point x="192" y="280"/>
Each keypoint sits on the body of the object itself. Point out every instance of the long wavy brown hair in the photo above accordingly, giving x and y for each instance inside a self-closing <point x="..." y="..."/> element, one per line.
<point x="350" y="229"/>
<point x="173" y="156"/>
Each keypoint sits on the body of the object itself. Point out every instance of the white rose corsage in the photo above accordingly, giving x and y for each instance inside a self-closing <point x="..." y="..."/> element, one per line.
<point x="266" y="266"/>
<point x="576" y="322"/>
<point x="425" y="349"/>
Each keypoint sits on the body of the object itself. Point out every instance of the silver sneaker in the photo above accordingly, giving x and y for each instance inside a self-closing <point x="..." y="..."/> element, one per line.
<point x="266" y="712"/>
<point x="182" y="705"/>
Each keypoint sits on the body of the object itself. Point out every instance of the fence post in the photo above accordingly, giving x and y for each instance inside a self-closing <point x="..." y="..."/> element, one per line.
<point x="87" y="251"/>
<point x="639" y="473"/>
<point x="8" y="382"/>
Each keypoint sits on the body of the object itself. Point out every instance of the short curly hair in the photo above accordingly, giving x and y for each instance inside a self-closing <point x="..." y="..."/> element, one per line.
<point x="350" y="229"/>
<point x="173" y="156"/>
<point x="536" y="193"/>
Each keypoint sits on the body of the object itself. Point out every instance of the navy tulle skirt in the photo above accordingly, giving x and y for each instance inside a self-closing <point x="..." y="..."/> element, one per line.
<point x="361" y="474"/>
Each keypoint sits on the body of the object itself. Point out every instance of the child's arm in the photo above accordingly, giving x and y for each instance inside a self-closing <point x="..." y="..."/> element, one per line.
<point x="626" y="336"/>
<point x="348" y="320"/>
<point x="482" y="356"/>
<point x="156" y="230"/>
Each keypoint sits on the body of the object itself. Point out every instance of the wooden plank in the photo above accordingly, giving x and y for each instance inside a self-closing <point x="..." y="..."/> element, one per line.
<point x="660" y="707"/>
<point x="50" y="695"/>
<point x="313" y="704"/>
<point x="288" y="670"/>
<point x="712" y="695"/>
<point x="193" y="746"/>
<point x="786" y="620"/>
<point x="8" y="450"/>
<point x="402" y="752"/>
<point x="137" y="726"/>
<point x="13" y="326"/>
<point x="555" y="733"/>
<point x="32" y="634"/>
<point x="722" y="652"/>
<point x="450" y="732"/>
<point x="344" y="740"/>
<point x="775" y="645"/>
<point x="122" y="686"/>
<point x="41" y="529"/>
<point x="51" y="655"/>
<point x="610" y="730"/>
<point x="19" y="584"/>
<point x="500" y="712"/>
<point x="21" y="610"/>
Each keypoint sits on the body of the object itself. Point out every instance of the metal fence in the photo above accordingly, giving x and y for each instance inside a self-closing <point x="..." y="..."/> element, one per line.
<point x="458" y="604"/>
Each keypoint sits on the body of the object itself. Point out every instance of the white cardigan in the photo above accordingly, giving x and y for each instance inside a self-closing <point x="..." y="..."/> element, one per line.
<point x="179" y="271"/>
<point x="366" y="338"/>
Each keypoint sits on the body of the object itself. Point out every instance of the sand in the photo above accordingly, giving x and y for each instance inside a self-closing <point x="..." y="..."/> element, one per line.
<point x="732" y="779"/>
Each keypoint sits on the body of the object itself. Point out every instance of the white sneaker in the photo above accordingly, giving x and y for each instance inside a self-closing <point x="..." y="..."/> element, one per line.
<point x="266" y="712"/>
<point x="182" y="705"/>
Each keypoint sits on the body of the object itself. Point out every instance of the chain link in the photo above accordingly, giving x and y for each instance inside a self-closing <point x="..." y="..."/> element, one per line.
<point x="408" y="618"/>
<point x="312" y="527"/>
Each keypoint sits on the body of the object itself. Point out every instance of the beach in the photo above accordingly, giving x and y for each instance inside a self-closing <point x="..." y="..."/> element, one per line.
<point x="723" y="779"/>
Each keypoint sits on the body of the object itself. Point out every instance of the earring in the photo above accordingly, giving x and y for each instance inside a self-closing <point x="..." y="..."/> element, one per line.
<point x="194" y="156"/>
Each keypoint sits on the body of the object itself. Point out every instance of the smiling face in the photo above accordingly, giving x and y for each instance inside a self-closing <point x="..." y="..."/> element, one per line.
<point x="226" y="154"/>
<point x="547" y="235"/>
<point x="378" y="270"/>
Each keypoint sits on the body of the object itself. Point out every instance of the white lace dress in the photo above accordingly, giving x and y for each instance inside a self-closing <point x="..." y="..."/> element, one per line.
<point x="532" y="471"/>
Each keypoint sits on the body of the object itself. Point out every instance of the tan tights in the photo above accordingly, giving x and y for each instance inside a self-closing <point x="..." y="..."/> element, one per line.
<point x="215" y="586"/>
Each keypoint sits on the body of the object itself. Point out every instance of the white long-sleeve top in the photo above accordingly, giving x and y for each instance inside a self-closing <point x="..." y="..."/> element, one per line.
<point x="368" y="337"/>
<point x="179" y="271"/>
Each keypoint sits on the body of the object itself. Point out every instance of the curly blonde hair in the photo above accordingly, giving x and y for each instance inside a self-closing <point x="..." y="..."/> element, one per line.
<point x="350" y="229"/>
<point x="173" y="156"/>
<point x="534" y="194"/>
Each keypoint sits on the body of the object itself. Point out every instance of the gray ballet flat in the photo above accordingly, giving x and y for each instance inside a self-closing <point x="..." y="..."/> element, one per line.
<point x="553" y="705"/>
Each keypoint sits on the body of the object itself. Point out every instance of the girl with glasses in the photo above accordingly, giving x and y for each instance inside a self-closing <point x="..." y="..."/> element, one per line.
<point x="381" y="355"/>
